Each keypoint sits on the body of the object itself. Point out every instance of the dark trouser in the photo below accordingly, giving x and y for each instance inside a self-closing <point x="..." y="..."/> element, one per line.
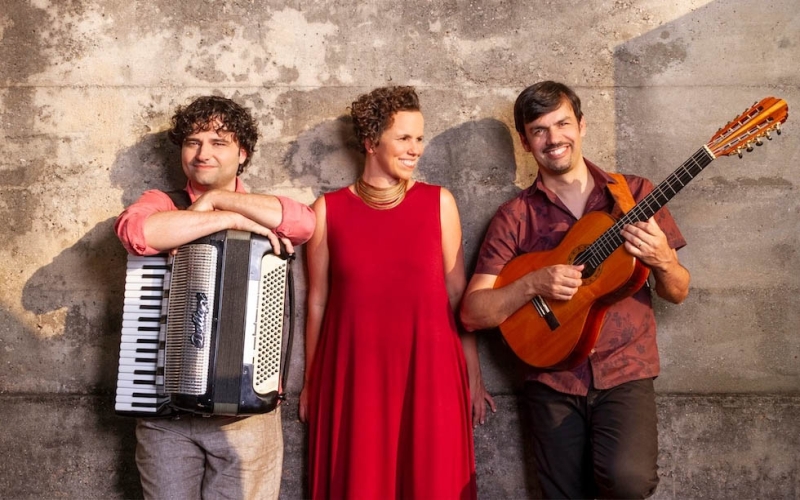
<point x="602" y="445"/>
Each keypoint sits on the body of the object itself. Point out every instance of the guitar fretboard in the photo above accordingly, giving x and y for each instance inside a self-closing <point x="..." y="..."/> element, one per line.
<point x="611" y="239"/>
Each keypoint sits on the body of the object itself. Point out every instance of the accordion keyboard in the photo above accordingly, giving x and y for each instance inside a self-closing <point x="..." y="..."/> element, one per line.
<point x="141" y="369"/>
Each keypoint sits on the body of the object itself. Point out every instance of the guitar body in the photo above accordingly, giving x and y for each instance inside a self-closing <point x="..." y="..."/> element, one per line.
<point x="580" y="318"/>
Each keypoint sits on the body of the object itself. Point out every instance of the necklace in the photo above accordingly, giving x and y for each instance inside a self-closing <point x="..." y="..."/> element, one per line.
<point x="381" y="198"/>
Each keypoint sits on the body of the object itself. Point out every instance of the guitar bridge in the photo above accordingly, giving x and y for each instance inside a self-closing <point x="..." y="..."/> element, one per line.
<point x="545" y="312"/>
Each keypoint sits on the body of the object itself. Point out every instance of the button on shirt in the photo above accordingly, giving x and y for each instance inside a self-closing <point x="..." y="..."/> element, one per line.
<point x="536" y="220"/>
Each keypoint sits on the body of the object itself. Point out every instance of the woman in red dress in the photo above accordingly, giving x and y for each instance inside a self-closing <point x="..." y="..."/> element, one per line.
<point x="391" y="389"/>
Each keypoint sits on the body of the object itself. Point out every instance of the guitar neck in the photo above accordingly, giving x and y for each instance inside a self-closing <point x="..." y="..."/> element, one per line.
<point x="610" y="240"/>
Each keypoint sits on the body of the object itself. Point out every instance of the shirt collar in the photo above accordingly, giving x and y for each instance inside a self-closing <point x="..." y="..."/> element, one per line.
<point x="601" y="180"/>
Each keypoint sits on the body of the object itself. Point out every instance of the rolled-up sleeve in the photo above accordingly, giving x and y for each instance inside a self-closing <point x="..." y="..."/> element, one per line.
<point x="297" y="222"/>
<point x="130" y="223"/>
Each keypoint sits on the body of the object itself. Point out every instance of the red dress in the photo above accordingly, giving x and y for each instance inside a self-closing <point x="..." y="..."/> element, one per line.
<point x="389" y="396"/>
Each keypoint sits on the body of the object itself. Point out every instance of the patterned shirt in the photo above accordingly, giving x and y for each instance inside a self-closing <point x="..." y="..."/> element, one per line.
<point x="537" y="220"/>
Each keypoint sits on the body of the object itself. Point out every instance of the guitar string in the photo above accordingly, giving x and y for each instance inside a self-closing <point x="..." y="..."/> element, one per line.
<point x="611" y="239"/>
<point x="639" y="213"/>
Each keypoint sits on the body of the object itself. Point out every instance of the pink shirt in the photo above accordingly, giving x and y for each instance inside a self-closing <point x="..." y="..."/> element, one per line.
<point x="536" y="220"/>
<point x="297" y="223"/>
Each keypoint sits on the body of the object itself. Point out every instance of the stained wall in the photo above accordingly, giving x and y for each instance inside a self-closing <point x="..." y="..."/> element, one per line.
<point x="86" y="92"/>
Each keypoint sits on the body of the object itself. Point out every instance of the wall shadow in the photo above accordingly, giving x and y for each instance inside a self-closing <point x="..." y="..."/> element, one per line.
<point x="90" y="276"/>
<point x="476" y="162"/>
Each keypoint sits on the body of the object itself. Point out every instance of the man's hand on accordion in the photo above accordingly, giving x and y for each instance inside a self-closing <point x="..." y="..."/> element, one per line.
<point x="242" y="223"/>
<point x="226" y="202"/>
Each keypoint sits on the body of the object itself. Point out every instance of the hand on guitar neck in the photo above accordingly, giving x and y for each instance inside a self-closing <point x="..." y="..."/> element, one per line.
<point x="648" y="243"/>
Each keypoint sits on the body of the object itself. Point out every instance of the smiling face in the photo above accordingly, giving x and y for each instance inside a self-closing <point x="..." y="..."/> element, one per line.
<point x="395" y="156"/>
<point x="555" y="139"/>
<point x="211" y="159"/>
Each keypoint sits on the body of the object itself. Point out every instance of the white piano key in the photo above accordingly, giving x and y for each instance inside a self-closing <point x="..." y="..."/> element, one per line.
<point x="141" y="323"/>
<point x="131" y="358"/>
<point x="156" y="301"/>
<point x="142" y="307"/>
<point x="127" y="407"/>
<point x="138" y="399"/>
<point x="146" y="275"/>
<point x="131" y="296"/>
<point x="133" y="325"/>
<point x="141" y="279"/>
<point x="133" y="347"/>
<point x="141" y="397"/>
<point x="149" y="364"/>
<point x="144" y="340"/>
<point x="130" y="391"/>
<point x="136" y="386"/>
<point x="138" y="261"/>
<point x="128" y="369"/>
<point x="127" y="378"/>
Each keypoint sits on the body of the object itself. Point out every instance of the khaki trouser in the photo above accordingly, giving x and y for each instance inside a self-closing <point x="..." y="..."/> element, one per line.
<point x="212" y="458"/>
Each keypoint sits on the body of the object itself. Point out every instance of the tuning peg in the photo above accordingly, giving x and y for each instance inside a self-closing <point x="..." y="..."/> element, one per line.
<point x="778" y="128"/>
<point x="759" y="142"/>
<point x="739" y="152"/>
<point x="749" y="147"/>
<point x="769" y="137"/>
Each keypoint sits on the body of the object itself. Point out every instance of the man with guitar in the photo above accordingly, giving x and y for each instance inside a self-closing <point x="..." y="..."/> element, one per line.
<point x="592" y="413"/>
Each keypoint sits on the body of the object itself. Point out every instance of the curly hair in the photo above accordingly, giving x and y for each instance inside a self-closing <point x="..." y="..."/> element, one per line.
<point x="374" y="112"/>
<point x="205" y="112"/>
<point x="542" y="98"/>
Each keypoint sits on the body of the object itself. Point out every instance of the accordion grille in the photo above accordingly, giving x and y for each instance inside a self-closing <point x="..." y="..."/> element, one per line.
<point x="269" y="324"/>
<point x="189" y="320"/>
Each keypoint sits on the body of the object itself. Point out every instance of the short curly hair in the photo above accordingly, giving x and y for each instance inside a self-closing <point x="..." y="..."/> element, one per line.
<point x="204" y="112"/>
<point x="374" y="112"/>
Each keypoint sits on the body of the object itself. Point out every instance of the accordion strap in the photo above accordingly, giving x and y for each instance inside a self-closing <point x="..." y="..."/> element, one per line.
<point x="180" y="198"/>
<point x="287" y="353"/>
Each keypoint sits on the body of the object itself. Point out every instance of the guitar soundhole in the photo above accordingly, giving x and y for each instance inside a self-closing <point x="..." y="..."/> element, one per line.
<point x="590" y="274"/>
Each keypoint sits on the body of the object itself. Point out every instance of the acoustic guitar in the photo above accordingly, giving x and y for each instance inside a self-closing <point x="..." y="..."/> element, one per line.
<point x="558" y="334"/>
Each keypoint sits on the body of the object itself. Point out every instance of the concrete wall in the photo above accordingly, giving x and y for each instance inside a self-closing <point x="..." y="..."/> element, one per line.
<point x="86" y="91"/>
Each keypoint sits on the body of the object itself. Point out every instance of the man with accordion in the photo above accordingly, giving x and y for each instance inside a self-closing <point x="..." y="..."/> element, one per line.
<point x="230" y="452"/>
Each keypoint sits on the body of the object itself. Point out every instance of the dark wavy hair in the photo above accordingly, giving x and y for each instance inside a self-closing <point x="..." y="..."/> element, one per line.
<point x="374" y="112"/>
<point x="204" y="112"/>
<point x="542" y="98"/>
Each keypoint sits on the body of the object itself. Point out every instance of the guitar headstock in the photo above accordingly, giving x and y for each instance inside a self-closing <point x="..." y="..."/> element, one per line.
<point x="749" y="128"/>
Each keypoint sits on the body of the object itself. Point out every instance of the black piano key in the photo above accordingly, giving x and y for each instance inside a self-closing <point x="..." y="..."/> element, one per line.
<point x="148" y="395"/>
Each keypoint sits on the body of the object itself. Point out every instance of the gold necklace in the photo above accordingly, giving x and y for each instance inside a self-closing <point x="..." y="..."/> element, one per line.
<point x="381" y="198"/>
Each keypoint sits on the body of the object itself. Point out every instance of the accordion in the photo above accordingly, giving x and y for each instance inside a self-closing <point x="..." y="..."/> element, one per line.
<point x="203" y="330"/>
